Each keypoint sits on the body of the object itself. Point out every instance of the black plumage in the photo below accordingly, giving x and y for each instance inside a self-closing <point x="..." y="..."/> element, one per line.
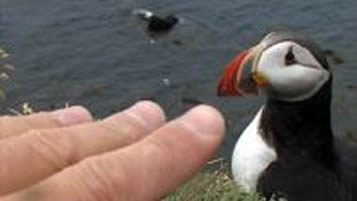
<point x="156" y="23"/>
<point x="160" y="24"/>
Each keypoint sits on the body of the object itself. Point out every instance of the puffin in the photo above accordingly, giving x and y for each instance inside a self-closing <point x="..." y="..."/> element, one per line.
<point x="289" y="150"/>
<point x="157" y="23"/>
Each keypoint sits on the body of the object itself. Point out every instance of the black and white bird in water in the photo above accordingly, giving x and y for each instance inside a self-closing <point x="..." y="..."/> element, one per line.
<point x="289" y="149"/>
<point x="157" y="23"/>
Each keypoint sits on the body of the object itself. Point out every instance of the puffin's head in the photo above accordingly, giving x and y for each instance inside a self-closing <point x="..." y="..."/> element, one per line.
<point x="172" y="19"/>
<point x="285" y="66"/>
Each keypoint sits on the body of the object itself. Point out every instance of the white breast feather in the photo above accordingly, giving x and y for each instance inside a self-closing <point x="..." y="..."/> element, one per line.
<point x="251" y="156"/>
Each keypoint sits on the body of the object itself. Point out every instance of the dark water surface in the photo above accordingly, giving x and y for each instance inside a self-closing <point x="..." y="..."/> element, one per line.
<point x="95" y="53"/>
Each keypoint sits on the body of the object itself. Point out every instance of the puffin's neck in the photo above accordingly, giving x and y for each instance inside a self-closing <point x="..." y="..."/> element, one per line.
<point x="300" y="129"/>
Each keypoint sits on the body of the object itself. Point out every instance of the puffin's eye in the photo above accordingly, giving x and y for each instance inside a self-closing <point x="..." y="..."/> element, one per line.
<point x="290" y="57"/>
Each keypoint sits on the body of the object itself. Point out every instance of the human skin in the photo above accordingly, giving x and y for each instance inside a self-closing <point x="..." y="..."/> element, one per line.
<point x="132" y="155"/>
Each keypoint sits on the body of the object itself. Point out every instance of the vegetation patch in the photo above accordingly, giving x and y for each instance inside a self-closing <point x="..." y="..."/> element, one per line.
<point x="214" y="185"/>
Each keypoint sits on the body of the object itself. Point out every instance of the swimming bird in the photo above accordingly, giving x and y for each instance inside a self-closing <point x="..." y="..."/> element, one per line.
<point x="289" y="149"/>
<point x="157" y="23"/>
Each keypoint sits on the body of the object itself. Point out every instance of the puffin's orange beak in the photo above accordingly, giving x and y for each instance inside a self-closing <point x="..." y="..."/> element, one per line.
<point x="237" y="79"/>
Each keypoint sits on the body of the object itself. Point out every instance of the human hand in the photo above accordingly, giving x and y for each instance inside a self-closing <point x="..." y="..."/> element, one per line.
<point x="133" y="155"/>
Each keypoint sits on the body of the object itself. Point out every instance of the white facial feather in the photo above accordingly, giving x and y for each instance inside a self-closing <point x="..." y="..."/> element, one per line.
<point x="293" y="82"/>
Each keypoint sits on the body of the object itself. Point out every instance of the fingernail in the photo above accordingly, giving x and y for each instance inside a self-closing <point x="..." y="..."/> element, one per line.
<point x="148" y="113"/>
<point x="72" y="115"/>
<point x="203" y="120"/>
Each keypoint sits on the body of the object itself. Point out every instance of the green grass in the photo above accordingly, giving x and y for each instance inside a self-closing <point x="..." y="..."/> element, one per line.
<point x="211" y="186"/>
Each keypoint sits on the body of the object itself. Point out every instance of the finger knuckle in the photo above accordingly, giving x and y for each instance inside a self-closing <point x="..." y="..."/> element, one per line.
<point x="46" y="146"/>
<point x="101" y="181"/>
